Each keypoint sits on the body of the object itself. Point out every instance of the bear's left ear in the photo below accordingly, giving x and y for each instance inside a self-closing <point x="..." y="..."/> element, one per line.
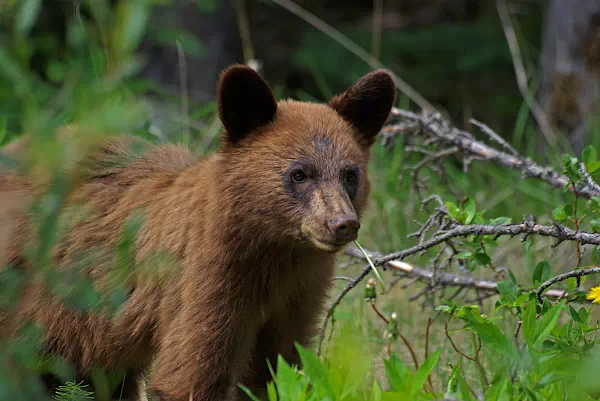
<point x="245" y="101"/>
<point x="367" y="104"/>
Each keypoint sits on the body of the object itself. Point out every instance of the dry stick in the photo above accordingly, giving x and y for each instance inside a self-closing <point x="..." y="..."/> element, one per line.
<point x="454" y="345"/>
<point x="354" y="49"/>
<point x="441" y="129"/>
<point x="185" y="107"/>
<point x="444" y="279"/>
<point x="564" y="276"/>
<point x="494" y="136"/>
<point x="244" y="30"/>
<point x="410" y="348"/>
<point x="427" y="354"/>
<point x="376" y="30"/>
<point x="577" y="223"/>
<point x="381" y="316"/>
<point x="590" y="181"/>
<point x="521" y="74"/>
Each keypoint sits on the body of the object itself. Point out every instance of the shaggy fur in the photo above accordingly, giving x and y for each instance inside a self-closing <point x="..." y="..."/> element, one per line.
<point x="249" y="227"/>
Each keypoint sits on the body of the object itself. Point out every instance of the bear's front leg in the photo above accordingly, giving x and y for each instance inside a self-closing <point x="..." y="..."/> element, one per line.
<point x="206" y="346"/>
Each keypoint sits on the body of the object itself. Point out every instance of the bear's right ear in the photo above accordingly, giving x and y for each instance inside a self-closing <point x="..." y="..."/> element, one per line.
<point x="245" y="101"/>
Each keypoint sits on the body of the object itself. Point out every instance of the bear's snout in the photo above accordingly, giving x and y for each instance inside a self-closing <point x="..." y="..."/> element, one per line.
<point x="344" y="228"/>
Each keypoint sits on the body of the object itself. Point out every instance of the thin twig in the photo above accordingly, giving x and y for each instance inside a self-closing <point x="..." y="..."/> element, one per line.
<point x="379" y="313"/>
<point x="494" y="136"/>
<point x="185" y="107"/>
<point x="354" y="48"/>
<point x="404" y="339"/>
<point x="427" y="353"/>
<point x="521" y="74"/>
<point x="376" y="30"/>
<point x="454" y="345"/>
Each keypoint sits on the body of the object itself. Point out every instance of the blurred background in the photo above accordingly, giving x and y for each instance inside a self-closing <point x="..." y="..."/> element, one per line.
<point x="455" y="53"/>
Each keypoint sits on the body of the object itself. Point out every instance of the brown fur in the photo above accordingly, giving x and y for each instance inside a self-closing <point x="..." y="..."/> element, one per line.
<point x="255" y="251"/>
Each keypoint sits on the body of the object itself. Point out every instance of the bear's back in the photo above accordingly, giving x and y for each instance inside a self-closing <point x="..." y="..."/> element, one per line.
<point x="121" y="175"/>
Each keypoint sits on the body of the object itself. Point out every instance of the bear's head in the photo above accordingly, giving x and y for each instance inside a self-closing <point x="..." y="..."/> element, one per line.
<point x="297" y="171"/>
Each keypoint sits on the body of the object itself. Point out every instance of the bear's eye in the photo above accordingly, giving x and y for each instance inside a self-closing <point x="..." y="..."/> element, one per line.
<point x="350" y="177"/>
<point x="298" y="176"/>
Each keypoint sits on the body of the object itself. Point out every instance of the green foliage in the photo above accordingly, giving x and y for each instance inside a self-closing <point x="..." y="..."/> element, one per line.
<point x="71" y="391"/>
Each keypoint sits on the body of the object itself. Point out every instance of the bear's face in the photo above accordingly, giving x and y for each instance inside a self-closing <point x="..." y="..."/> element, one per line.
<point x="310" y="160"/>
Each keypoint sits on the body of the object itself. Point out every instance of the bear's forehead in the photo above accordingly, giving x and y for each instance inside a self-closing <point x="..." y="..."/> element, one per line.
<point x="312" y="127"/>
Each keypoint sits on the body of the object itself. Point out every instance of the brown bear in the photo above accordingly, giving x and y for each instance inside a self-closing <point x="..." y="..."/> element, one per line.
<point x="254" y="229"/>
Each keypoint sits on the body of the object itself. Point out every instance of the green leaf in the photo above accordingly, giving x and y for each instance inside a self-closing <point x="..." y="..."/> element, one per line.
<point x="558" y="214"/>
<point x="377" y="394"/>
<point x="397" y="374"/>
<point x="588" y="155"/>
<point x="529" y="322"/>
<point x="490" y="335"/>
<point x="455" y="212"/>
<point x="592" y="167"/>
<point x="457" y="387"/>
<point x="271" y="391"/>
<point x="482" y="258"/>
<point x="470" y="209"/>
<point x="316" y="372"/>
<point x="247" y="391"/>
<point x="27" y="16"/>
<point x="541" y="273"/>
<point x="130" y="25"/>
<point x="500" y="221"/>
<point x="547" y="323"/>
<point x="574" y="315"/>
<point x="509" y="289"/>
<point x="595" y="224"/>
<point x="596" y="255"/>
<point x="464" y="255"/>
<point x="424" y="371"/>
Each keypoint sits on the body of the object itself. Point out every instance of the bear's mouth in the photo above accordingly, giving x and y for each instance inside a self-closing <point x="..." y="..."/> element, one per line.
<point x="323" y="244"/>
<point x="328" y="246"/>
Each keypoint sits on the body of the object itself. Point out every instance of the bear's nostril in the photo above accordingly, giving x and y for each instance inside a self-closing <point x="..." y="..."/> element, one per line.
<point x="344" y="228"/>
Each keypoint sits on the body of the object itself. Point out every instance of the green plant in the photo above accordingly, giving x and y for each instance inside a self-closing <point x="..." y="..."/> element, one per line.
<point x="71" y="391"/>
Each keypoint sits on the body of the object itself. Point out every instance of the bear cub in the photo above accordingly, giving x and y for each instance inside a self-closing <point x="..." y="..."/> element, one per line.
<point x="254" y="229"/>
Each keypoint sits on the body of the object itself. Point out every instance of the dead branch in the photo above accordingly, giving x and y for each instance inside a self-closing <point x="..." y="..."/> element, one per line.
<point x="564" y="276"/>
<point x="588" y="178"/>
<point x="443" y="279"/>
<point x="439" y="131"/>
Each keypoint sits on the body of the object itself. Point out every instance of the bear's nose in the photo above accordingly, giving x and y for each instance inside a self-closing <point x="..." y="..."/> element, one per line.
<point x="345" y="228"/>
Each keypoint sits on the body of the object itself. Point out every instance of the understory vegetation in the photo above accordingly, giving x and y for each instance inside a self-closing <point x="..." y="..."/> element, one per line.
<point x="473" y="276"/>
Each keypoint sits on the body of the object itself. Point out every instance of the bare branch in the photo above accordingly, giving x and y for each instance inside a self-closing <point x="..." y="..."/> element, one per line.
<point x="494" y="137"/>
<point x="561" y="233"/>
<point x="437" y="129"/>
<point x="564" y="276"/>
<point x="588" y="178"/>
<point x="443" y="279"/>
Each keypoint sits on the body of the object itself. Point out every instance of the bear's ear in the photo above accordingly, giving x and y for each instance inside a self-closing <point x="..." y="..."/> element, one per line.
<point x="367" y="104"/>
<point x="245" y="101"/>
